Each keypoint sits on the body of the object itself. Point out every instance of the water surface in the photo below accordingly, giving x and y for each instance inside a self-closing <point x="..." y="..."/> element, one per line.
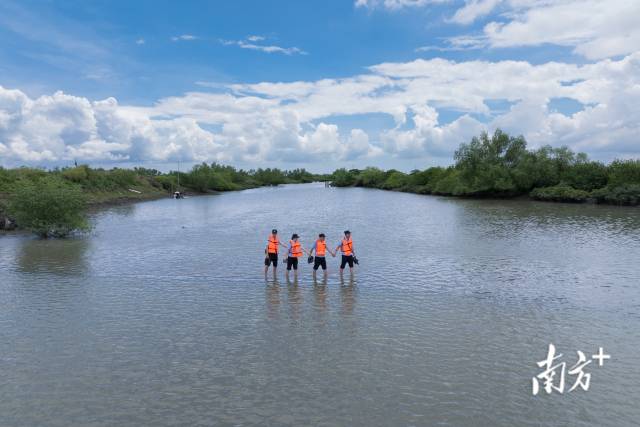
<point x="162" y="316"/>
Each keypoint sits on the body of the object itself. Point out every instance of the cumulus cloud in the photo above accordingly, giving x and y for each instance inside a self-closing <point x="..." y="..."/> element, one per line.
<point x="295" y="122"/>
<point x="596" y="29"/>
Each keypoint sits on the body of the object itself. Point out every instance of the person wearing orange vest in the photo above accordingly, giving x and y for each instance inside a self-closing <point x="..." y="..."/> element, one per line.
<point x="348" y="254"/>
<point x="271" y="252"/>
<point x="295" y="251"/>
<point x="320" y="247"/>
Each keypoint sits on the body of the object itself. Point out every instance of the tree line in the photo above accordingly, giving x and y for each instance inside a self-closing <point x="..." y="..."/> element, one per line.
<point x="54" y="202"/>
<point x="500" y="165"/>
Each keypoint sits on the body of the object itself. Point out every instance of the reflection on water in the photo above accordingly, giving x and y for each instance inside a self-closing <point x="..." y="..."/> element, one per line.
<point x="53" y="256"/>
<point x="320" y="295"/>
<point x="294" y="299"/>
<point x="163" y="315"/>
<point x="273" y="299"/>
<point x="348" y="296"/>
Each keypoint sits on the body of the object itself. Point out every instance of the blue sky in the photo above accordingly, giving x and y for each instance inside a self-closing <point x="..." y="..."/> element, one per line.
<point x="317" y="84"/>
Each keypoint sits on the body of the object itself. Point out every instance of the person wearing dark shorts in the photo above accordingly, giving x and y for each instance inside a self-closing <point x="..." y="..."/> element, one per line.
<point x="271" y="252"/>
<point x="295" y="251"/>
<point x="320" y="248"/>
<point x="346" y="247"/>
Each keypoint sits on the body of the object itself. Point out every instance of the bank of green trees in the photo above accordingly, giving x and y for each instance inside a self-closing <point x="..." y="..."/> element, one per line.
<point x="53" y="202"/>
<point x="500" y="165"/>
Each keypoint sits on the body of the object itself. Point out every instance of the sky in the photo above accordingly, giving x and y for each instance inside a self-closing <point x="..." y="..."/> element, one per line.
<point x="314" y="84"/>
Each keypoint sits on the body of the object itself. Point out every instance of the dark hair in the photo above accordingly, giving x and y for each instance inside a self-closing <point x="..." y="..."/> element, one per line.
<point x="294" y="236"/>
<point x="321" y="235"/>
<point x="347" y="232"/>
<point x="274" y="231"/>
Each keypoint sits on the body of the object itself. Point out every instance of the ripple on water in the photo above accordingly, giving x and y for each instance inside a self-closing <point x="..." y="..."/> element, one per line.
<point x="163" y="315"/>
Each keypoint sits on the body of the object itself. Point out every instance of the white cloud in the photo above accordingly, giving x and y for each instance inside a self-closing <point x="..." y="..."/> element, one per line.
<point x="255" y="38"/>
<point x="249" y="43"/>
<point x="396" y="4"/>
<point x="184" y="37"/>
<point x="295" y="122"/>
<point x="596" y="29"/>
<point x="474" y="9"/>
<point x="140" y="41"/>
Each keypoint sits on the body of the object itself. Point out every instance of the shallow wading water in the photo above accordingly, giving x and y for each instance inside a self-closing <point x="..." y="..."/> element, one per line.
<point x="162" y="315"/>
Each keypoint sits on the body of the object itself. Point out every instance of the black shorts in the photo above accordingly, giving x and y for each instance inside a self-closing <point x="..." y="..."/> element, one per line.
<point x="320" y="261"/>
<point x="271" y="258"/>
<point x="346" y="259"/>
<point x="292" y="262"/>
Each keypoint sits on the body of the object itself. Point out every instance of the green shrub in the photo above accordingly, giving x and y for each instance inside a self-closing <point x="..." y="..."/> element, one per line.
<point x="395" y="180"/>
<point x="627" y="194"/>
<point x="343" y="178"/>
<point x="560" y="193"/>
<point x="450" y="184"/>
<point x="49" y="207"/>
<point x="371" y="177"/>
<point x="624" y="172"/>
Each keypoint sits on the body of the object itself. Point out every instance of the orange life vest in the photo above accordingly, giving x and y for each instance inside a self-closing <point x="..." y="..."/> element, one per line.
<point x="346" y="247"/>
<point x="273" y="244"/>
<point x="321" y="248"/>
<point x="296" y="249"/>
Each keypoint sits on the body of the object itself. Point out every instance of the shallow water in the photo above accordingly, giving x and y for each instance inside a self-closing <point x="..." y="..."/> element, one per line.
<point x="162" y="315"/>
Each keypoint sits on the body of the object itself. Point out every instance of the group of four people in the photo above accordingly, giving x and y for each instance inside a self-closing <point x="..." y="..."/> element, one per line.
<point x="295" y="251"/>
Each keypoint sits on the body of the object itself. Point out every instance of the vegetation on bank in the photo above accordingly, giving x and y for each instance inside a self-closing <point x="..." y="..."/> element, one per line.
<point x="53" y="203"/>
<point x="49" y="207"/>
<point x="501" y="166"/>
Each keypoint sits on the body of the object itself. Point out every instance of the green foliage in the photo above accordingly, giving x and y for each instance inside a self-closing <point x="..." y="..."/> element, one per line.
<point x="49" y="206"/>
<point x="486" y="164"/>
<point x="371" y="177"/>
<point x="623" y="172"/>
<point x="395" y="180"/>
<point x="450" y="184"/>
<point x="560" y="193"/>
<point x="299" y="175"/>
<point x="343" y="178"/>
<point x="268" y="176"/>
<point x="586" y="176"/>
<point x="626" y="194"/>
<point x="501" y="166"/>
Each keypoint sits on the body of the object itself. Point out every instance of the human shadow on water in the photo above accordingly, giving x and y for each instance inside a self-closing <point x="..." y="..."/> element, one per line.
<point x="62" y="257"/>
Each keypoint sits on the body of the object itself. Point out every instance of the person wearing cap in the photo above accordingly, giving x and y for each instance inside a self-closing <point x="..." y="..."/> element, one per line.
<point x="348" y="254"/>
<point x="295" y="251"/>
<point x="271" y="252"/>
<point x="320" y="248"/>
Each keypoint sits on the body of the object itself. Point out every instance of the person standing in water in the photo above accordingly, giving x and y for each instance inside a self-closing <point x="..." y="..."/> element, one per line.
<point x="295" y="251"/>
<point x="320" y="248"/>
<point x="271" y="252"/>
<point x="348" y="254"/>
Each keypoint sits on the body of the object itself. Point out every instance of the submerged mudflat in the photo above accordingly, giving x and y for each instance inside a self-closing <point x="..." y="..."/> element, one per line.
<point x="162" y="315"/>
